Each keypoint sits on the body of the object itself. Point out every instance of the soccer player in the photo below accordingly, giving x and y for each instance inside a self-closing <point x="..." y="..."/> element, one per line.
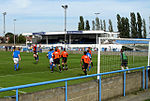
<point x="86" y="60"/>
<point x="89" y="55"/>
<point x="57" y="49"/>
<point x="124" y="59"/>
<point x="35" y="54"/>
<point x="49" y="55"/>
<point x="64" y="56"/>
<point x="16" y="58"/>
<point x="89" y="49"/>
<point x="56" y="57"/>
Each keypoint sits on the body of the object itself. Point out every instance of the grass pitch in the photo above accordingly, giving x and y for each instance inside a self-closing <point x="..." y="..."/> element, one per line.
<point x="30" y="72"/>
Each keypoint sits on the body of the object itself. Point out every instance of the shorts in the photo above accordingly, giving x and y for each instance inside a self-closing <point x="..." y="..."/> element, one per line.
<point x="57" y="61"/>
<point x="124" y="63"/>
<point x="16" y="60"/>
<point x="91" y="58"/>
<point x="51" y="60"/>
<point x="85" y="66"/>
<point x="34" y="52"/>
<point x="64" y="59"/>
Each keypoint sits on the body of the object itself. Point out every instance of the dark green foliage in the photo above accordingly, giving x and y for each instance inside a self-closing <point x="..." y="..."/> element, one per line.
<point x="21" y="39"/>
<point x="124" y="31"/>
<point x="81" y="24"/>
<point x="104" y="23"/>
<point x="87" y="27"/>
<point x="133" y="26"/>
<point x="119" y="25"/>
<point x="11" y="37"/>
<point x="123" y="26"/>
<point x="97" y="24"/>
<point x="144" y="29"/>
<point x="101" y="25"/>
<point x="110" y="28"/>
<point x="93" y="25"/>
<point x="139" y="25"/>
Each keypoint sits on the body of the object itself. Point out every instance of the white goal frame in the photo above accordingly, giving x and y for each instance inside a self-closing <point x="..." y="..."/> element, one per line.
<point x="99" y="50"/>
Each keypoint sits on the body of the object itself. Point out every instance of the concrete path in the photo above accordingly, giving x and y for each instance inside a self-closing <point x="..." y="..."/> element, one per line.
<point x="138" y="96"/>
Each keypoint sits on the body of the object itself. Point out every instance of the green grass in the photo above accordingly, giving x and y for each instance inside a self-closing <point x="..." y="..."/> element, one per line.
<point x="30" y="72"/>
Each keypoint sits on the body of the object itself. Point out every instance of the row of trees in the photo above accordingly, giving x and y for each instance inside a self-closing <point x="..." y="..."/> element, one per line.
<point x="18" y="38"/>
<point x="98" y="24"/>
<point x="136" y="28"/>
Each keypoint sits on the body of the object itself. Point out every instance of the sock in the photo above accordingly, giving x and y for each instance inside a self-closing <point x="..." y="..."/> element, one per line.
<point x="85" y="72"/>
<point x="127" y="68"/>
<point x="122" y="68"/>
<point x="17" y="65"/>
<point x="37" y="57"/>
<point x="92" y="64"/>
<point x="89" y="68"/>
<point x="59" y="68"/>
<point x="66" y="66"/>
<point x="51" y="66"/>
<point x="63" y="66"/>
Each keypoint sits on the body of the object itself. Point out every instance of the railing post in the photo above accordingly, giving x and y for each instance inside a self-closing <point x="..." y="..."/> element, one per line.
<point x="65" y="90"/>
<point x="17" y="95"/>
<point x="147" y="77"/>
<point x="99" y="87"/>
<point x="124" y="84"/>
<point x="143" y="78"/>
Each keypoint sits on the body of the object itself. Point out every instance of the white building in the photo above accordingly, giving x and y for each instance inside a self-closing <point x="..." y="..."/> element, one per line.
<point x="72" y="37"/>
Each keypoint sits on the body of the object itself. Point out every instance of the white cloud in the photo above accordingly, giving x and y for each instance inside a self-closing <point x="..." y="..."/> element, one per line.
<point x="34" y="14"/>
<point x="22" y="3"/>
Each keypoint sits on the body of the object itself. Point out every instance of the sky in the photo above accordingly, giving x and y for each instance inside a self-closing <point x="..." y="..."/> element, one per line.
<point x="48" y="15"/>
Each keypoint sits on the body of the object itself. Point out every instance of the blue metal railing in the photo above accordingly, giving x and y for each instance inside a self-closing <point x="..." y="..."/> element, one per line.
<point x="147" y="76"/>
<point x="74" y="78"/>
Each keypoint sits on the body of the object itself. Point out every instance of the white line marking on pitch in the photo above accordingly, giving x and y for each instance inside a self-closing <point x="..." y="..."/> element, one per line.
<point x="18" y="91"/>
<point x="31" y="73"/>
<point x="23" y="74"/>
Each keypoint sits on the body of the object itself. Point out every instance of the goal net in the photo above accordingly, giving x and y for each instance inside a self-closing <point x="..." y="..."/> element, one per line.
<point x="109" y="56"/>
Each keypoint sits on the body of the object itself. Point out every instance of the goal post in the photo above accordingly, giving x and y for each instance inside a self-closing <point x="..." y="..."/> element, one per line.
<point x="137" y="50"/>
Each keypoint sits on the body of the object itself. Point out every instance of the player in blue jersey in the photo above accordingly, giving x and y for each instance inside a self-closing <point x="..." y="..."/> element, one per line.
<point x="16" y="58"/>
<point x="49" y="55"/>
<point x="89" y="55"/>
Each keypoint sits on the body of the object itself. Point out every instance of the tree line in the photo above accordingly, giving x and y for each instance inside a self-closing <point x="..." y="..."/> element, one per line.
<point x="135" y="28"/>
<point x="10" y="38"/>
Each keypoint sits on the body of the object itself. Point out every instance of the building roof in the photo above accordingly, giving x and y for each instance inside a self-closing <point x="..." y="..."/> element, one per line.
<point x="70" y="32"/>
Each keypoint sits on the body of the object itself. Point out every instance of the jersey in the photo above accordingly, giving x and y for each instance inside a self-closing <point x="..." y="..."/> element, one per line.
<point x="16" y="53"/>
<point x="85" y="59"/>
<point x="56" y="55"/>
<point x="123" y="56"/>
<point x="89" y="55"/>
<point x="58" y="51"/>
<point x="34" y="48"/>
<point x="90" y="52"/>
<point x="50" y="54"/>
<point x="64" y="54"/>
